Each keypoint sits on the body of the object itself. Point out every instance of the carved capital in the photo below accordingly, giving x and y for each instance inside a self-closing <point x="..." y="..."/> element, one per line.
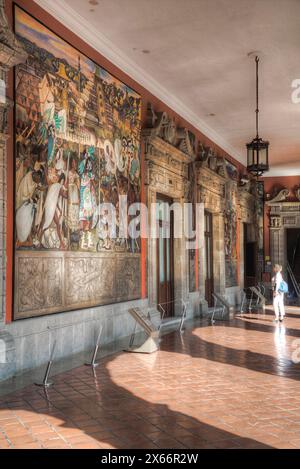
<point x="280" y="197"/>
<point x="159" y="124"/>
<point x="275" y="222"/>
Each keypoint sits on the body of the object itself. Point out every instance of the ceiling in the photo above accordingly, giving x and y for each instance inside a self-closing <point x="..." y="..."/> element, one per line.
<point x="193" y="54"/>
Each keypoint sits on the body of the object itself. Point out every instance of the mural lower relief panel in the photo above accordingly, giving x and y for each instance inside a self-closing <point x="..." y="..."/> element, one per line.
<point x="39" y="282"/>
<point x="77" y="149"/>
<point x="59" y="282"/>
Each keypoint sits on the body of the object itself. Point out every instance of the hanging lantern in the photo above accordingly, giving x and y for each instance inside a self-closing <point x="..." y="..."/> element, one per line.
<point x="257" y="150"/>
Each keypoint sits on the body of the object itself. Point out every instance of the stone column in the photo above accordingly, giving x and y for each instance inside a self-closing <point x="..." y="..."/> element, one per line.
<point x="242" y="257"/>
<point x="181" y="262"/>
<point x="219" y="253"/>
<point x="201" y="260"/>
<point x="275" y="245"/>
<point x="11" y="53"/>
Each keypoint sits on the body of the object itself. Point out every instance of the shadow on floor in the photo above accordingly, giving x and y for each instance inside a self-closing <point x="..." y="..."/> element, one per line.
<point x="198" y="347"/>
<point x="85" y="409"/>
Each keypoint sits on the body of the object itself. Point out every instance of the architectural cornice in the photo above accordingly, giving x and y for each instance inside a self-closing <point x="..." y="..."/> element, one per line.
<point x="166" y="148"/>
<point x="80" y="26"/>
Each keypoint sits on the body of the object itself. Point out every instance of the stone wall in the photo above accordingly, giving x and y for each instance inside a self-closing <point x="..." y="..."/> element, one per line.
<point x="2" y="223"/>
<point x="26" y="344"/>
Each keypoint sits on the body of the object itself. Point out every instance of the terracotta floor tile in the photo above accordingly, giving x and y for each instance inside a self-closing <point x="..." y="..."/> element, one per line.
<point x="230" y="385"/>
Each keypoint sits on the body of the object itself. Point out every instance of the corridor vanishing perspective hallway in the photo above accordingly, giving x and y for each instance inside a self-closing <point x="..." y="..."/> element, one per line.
<point x="149" y="230"/>
<point x="235" y="384"/>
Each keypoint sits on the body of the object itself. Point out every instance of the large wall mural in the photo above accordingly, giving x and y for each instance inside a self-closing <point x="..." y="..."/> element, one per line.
<point x="77" y="146"/>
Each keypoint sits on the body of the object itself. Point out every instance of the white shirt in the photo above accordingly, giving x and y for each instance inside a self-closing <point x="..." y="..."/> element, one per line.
<point x="276" y="280"/>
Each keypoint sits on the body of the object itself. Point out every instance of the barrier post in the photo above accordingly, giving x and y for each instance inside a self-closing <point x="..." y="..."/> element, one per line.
<point x="93" y="362"/>
<point x="45" y="383"/>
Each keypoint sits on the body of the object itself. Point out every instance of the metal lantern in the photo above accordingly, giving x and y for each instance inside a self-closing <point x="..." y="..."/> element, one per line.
<point x="257" y="150"/>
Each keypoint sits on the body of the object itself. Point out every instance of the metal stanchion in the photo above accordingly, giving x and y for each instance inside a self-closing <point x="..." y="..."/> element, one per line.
<point x="181" y="330"/>
<point x="45" y="383"/>
<point x="93" y="363"/>
<point x="132" y="336"/>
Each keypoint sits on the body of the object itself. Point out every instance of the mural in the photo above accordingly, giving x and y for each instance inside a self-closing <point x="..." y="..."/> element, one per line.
<point x="230" y="234"/>
<point x="232" y="171"/>
<point x="77" y="140"/>
<point x="260" y="227"/>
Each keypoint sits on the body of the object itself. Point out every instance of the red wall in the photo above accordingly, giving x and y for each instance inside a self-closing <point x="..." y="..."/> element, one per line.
<point x="272" y="186"/>
<point x="40" y="14"/>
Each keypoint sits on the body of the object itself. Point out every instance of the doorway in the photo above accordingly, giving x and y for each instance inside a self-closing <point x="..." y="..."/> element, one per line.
<point x="165" y="255"/>
<point x="293" y="253"/>
<point x="250" y="255"/>
<point x="209" y="274"/>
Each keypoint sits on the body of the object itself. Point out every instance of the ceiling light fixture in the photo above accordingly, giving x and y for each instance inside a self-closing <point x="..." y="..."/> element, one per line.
<point x="257" y="150"/>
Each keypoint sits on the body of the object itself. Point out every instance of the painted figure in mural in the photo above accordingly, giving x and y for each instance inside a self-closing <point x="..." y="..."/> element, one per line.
<point x="88" y="204"/>
<point x="59" y="162"/>
<point x="106" y="230"/>
<point x="73" y="197"/>
<point x="26" y="205"/>
<point x="134" y="170"/>
<point x="52" y="235"/>
<point x="50" y="142"/>
<point x="110" y="158"/>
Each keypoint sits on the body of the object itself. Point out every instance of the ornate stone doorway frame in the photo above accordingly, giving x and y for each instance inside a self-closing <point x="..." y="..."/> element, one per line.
<point x="167" y="174"/>
<point x="211" y="190"/>
<point x="283" y="215"/>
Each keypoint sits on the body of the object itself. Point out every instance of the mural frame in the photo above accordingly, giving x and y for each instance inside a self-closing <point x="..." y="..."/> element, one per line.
<point x="136" y="256"/>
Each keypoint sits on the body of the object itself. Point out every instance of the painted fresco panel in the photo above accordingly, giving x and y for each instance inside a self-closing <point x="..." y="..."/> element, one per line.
<point x="77" y="147"/>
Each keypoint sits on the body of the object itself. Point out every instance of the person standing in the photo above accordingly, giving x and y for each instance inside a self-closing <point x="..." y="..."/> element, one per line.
<point x="278" y="295"/>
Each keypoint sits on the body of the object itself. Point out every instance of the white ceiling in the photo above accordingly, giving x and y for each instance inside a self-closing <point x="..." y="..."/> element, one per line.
<point x="197" y="62"/>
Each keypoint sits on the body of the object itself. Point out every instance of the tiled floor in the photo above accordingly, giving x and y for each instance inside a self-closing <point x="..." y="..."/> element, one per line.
<point x="230" y="385"/>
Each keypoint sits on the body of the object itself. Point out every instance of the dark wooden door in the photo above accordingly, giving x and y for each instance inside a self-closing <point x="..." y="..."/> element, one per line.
<point x="165" y="260"/>
<point x="293" y="253"/>
<point x="209" y="256"/>
<point x="250" y="256"/>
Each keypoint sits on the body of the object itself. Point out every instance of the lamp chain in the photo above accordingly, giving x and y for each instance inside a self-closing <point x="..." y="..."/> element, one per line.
<point x="257" y="110"/>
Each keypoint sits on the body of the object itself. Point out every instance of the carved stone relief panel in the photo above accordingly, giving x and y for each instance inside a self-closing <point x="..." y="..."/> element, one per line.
<point x="212" y="182"/>
<point x="59" y="282"/>
<point x="40" y="282"/>
<point x="83" y="276"/>
<point x="289" y="220"/>
<point x="246" y="202"/>
<point x="128" y="278"/>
